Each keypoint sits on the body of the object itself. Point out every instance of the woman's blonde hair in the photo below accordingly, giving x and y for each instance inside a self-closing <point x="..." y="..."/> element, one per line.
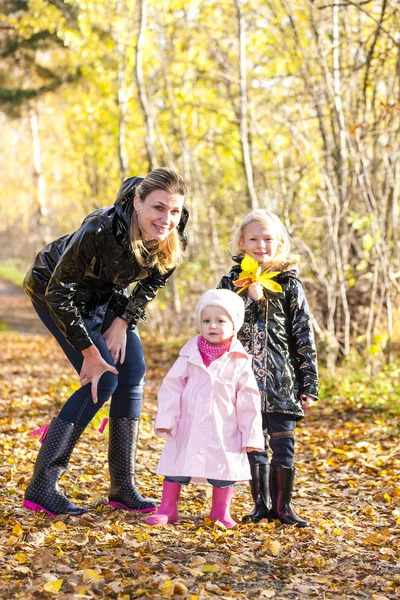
<point x="262" y="216"/>
<point x="165" y="254"/>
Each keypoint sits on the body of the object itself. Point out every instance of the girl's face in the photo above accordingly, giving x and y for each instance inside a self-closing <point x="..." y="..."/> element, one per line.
<point x="261" y="241"/>
<point x="216" y="325"/>
<point x="158" y="214"/>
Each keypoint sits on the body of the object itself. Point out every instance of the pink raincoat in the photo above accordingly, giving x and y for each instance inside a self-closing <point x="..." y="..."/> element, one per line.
<point x="213" y="412"/>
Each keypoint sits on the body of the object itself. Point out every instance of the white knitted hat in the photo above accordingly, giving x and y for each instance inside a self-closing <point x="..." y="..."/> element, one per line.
<point x="229" y="301"/>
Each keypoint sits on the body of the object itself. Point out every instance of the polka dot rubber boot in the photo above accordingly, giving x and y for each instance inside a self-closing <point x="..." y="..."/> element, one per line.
<point x="122" y="463"/>
<point x="43" y="494"/>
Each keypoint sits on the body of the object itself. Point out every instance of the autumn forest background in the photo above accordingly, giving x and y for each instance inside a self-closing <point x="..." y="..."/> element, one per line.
<point x="289" y="106"/>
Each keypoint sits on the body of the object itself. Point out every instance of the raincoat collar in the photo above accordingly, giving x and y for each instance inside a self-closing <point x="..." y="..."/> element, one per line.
<point x="191" y="351"/>
<point x="286" y="266"/>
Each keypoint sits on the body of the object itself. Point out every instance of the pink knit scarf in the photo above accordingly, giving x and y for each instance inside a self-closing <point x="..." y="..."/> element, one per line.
<point x="210" y="352"/>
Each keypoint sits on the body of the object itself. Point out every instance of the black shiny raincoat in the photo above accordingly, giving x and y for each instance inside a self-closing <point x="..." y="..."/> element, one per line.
<point x="78" y="276"/>
<point x="278" y="333"/>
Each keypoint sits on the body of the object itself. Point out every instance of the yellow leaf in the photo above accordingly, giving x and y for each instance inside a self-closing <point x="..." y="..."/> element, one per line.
<point x="17" y="529"/>
<point x="53" y="586"/>
<point x="210" y="569"/>
<point x="275" y="547"/>
<point x="167" y="588"/>
<point x="21" y="557"/>
<point x="59" y="526"/>
<point x="337" y="531"/>
<point x="387" y="498"/>
<point x="91" y="575"/>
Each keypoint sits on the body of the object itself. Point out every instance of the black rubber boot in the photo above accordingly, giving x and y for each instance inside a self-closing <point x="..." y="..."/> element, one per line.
<point x="259" y="486"/>
<point x="43" y="494"/>
<point x="122" y="462"/>
<point x="281" y="488"/>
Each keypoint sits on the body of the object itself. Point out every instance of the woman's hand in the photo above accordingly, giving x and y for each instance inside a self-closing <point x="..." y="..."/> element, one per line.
<point x="94" y="366"/>
<point x="307" y="401"/>
<point x="115" y="338"/>
<point x="250" y="449"/>
<point x="255" y="291"/>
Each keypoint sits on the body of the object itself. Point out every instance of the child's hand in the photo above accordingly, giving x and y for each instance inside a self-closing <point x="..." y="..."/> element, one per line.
<point x="255" y="291"/>
<point x="307" y="401"/>
<point x="249" y="449"/>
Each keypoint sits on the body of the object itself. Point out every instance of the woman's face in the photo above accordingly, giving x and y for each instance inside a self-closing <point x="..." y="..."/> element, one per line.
<point x="261" y="241"/>
<point x="158" y="214"/>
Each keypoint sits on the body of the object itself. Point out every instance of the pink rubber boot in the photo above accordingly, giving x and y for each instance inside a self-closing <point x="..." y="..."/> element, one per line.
<point x="221" y="501"/>
<point x="168" y="510"/>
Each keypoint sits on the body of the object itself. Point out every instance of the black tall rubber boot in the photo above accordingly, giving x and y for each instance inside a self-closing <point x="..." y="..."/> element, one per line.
<point x="43" y="494"/>
<point x="122" y="462"/>
<point x="259" y="486"/>
<point x="281" y="488"/>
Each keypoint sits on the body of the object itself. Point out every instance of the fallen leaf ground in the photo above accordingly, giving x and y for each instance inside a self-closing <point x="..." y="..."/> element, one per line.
<point x="348" y="486"/>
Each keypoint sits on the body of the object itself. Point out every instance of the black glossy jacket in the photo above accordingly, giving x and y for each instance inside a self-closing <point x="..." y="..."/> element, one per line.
<point x="278" y="333"/>
<point x="78" y="276"/>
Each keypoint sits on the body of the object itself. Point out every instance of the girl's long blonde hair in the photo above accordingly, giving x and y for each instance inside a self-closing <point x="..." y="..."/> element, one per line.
<point x="165" y="254"/>
<point x="262" y="216"/>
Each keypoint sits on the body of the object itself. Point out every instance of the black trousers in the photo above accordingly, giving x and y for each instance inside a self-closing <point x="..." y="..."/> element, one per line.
<point x="278" y="429"/>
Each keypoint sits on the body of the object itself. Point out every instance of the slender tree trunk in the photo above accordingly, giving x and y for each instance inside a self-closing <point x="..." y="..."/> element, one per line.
<point x="243" y="113"/>
<point x="123" y="101"/>
<point x="39" y="190"/>
<point x="144" y="102"/>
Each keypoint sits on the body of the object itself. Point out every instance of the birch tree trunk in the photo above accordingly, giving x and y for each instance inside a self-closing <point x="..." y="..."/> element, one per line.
<point x="41" y="213"/>
<point x="144" y="101"/>
<point x="243" y="108"/>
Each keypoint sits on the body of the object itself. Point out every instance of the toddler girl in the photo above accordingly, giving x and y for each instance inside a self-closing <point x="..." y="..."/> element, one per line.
<point x="209" y="411"/>
<point x="277" y="331"/>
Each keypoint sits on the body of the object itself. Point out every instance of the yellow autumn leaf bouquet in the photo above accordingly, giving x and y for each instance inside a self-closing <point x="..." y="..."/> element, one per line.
<point x="251" y="273"/>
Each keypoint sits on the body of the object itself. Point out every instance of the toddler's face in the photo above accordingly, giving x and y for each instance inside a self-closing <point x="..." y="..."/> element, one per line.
<point x="216" y="325"/>
<point x="261" y="241"/>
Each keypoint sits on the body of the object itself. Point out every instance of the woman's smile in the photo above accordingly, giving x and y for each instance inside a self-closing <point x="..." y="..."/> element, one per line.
<point x="158" y="214"/>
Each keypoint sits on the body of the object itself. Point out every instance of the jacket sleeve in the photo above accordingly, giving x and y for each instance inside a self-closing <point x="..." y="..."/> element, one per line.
<point x="303" y="345"/>
<point x="226" y="283"/>
<point x="248" y="409"/>
<point x="145" y="291"/>
<point x="60" y="294"/>
<point x="169" y="397"/>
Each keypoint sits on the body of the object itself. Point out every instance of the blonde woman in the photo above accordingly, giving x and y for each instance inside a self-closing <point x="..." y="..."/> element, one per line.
<point x="77" y="286"/>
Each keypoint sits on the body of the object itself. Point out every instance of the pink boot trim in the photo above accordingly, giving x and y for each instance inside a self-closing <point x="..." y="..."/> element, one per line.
<point x="103" y="424"/>
<point x="124" y="507"/>
<point x="36" y="508"/>
<point x="42" y="432"/>
<point x="221" y="501"/>
<point x="168" y="510"/>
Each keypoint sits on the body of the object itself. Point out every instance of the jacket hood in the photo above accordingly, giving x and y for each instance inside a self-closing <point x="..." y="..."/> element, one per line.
<point x="283" y="264"/>
<point x="192" y="352"/>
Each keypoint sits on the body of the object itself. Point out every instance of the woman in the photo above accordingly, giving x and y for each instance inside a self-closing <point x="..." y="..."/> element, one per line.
<point x="77" y="287"/>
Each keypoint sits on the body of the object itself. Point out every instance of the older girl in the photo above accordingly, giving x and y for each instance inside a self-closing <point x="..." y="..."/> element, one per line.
<point x="77" y="287"/>
<point x="277" y="331"/>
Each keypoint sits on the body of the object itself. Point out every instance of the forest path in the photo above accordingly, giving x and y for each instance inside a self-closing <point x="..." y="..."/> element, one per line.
<point x="16" y="312"/>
